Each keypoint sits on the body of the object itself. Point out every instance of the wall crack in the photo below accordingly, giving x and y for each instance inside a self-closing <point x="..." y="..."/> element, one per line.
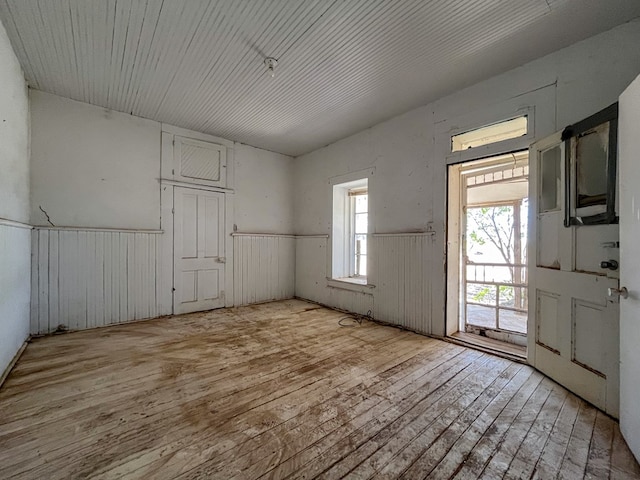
<point x="47" y="215"/>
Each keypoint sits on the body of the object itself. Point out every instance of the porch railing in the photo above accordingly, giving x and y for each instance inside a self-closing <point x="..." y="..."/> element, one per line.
<point x="496" y="296"/>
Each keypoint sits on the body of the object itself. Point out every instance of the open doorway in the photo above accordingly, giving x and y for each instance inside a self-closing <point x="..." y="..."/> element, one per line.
<point x="487" y="257"/>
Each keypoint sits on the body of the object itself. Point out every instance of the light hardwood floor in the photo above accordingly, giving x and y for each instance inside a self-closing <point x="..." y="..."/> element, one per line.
<point x="280" y="390"/>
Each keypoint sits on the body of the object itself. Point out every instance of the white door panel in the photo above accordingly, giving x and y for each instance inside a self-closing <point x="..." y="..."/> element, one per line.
<point x="577" y="334"/>
<point x="592" y="248"/>
<point x="548" y="241"/>
<point x="629" y="182"/>
<point x="199" y="261"/>
<point x="576" y="323"/>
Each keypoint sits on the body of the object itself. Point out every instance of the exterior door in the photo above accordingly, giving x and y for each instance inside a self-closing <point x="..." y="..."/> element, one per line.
<point x="629" y="163"/>
<point x="199" y="258"/>
<point x="573" y="321"/>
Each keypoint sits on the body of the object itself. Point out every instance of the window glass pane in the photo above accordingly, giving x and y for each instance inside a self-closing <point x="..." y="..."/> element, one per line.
<point x="360" y="253"/>
<point x="483" y="294"/>
<point x="361" y="203"/>
<point x="361" y="223"/>
<point x="513" y="321"/>
<point x="591" y="166"/>
<point x="507" y="295"/>
<point x="550" y="179"/>
<point x="361" y="244"/>
<point x="361" y="265"/>
<point x="498" y="132"/>
<point x="481" y="316"/>
<point x="513" y="297"/>
<point x="478" y="272"/>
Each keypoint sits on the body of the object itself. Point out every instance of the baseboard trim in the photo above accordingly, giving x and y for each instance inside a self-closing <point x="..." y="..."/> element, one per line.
<point x="13" y="361"/>
<point x="485" y="349"/>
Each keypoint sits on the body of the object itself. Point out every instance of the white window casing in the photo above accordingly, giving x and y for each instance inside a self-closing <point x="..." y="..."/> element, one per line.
<point x="350" y="229"/>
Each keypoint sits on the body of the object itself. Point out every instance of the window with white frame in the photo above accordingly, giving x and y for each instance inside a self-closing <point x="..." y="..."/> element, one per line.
<point x="360" y="214"/>
<point x="350" y="227"/>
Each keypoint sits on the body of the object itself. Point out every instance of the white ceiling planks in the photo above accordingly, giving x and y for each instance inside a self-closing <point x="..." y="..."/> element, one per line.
<point x="343" y="65"/>
<point x="241" y="80"/>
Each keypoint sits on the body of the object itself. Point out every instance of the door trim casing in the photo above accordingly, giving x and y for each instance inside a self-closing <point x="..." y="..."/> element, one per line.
<point x="167" y="277"/>
<point x="167" y="186"/>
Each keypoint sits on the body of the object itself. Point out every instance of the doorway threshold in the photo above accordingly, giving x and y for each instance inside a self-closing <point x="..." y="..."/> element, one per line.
<point x="502" y="349"/>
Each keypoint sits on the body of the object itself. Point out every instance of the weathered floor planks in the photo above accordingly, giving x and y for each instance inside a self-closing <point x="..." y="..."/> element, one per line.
<point x="281" y="391"/>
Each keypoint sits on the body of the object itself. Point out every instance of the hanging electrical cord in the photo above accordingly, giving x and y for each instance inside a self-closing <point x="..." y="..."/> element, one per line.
<point x="353" y="320"/>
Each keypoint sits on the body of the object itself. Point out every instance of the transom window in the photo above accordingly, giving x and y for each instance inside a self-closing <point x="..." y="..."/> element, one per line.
<point x="516" y="127"/>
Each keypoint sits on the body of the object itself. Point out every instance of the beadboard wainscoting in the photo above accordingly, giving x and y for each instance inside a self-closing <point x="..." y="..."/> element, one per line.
<point x="400" y="290"/>
<point x="85" y="278"/>
<point x="351" y="301"/>
<point x="403" y="266"/>
<point x="14" y="289"/>
<point x="263" y="267"/>
<point x="311" y="268"/>
<point x="311" y="278"/>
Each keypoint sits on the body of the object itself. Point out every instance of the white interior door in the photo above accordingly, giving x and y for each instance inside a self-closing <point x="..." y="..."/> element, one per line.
<point x="629" y="167"/>
<point x="199" y="258"/>
<point x="573" y="322"/>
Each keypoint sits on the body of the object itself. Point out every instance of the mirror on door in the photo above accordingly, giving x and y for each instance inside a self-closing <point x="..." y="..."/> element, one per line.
<point x="591" y="145"/>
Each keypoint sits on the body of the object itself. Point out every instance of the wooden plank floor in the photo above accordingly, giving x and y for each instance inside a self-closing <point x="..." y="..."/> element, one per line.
<point x="281" y="391"/>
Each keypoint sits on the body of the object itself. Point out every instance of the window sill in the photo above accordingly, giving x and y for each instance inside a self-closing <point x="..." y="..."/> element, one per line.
<point x="353" y="284"/>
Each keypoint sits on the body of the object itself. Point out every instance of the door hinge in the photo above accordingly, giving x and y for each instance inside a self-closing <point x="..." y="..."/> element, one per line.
<point x="173" y="210"/>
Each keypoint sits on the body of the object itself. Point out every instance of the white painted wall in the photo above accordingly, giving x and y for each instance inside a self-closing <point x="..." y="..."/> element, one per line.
<point x="15" y="245"/>
<point x="14" y="136"/>
<point x="92" y="167"/>
<point x="95" y="168"/>
<point x="264" y="191"/>
<point x="409" y="152"/>
<point x="264" y="265"/>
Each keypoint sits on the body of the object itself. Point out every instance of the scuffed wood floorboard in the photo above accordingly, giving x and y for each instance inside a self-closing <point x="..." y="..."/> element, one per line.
<point x="280" y="390"/>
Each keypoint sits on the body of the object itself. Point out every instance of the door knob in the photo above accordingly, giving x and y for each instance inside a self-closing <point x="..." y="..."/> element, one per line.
<point x="618" y="292"/>
<point x="610" y="264"/>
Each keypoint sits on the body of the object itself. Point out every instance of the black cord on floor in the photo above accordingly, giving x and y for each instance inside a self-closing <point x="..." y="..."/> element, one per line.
<point x="353" y="320"/>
